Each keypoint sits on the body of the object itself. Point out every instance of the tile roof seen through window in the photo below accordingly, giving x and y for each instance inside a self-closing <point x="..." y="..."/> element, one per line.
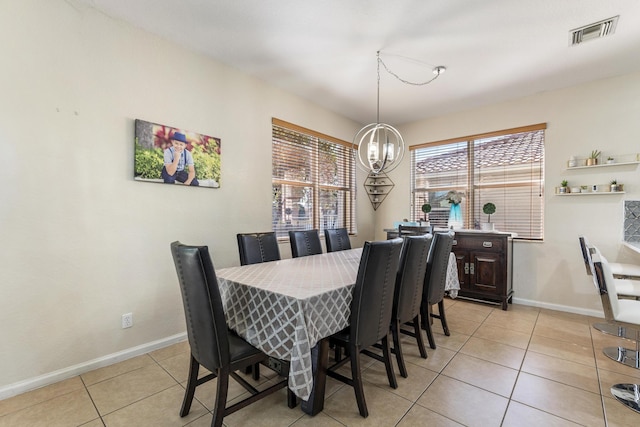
<point x="521" y="148"/>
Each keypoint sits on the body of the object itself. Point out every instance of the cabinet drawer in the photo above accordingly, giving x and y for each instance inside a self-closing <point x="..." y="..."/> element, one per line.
<point x="488" y="243"/>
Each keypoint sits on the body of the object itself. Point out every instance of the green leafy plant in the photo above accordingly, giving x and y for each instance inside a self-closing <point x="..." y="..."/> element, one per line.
<point x="614" y="182"/>
<point x="489" y="209"/>
<point x="207" y="165"/>
<point x="594" y="154"/>
<point x="609" y="158"/>
<point x="564" y="183"/>
<point x="148" y="162"/>
<point x="426" y="208"/>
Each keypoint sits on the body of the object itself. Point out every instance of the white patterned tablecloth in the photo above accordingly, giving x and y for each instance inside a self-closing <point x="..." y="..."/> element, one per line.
<point x="453" y="284"/>
<point x="285" y="307"/>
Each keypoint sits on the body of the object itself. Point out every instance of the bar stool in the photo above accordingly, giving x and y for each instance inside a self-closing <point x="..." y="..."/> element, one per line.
<point x="628" y="287"/>
<point x="627" y="311"/>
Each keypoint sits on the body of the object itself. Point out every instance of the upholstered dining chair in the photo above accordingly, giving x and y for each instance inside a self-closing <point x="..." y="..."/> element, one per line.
<point x="212" y="344"/>
<point x="304" y="243"/>
<point x="258" y="247"/>
<point x="435" y="281"/>
<point x="336" y="239"/>
<point x="408" y="294"/>
<point x="255" y="248"/>
<point x="370" y="317"/>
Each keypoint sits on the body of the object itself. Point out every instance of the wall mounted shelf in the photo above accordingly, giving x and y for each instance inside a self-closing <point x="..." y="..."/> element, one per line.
<point x="378" y="187"/>
<point x="603" y="165"/>
<point x="594" y="193"/>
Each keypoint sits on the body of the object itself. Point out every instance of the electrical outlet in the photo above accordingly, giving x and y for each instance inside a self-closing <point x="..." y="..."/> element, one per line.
<point x="127" y="320"/>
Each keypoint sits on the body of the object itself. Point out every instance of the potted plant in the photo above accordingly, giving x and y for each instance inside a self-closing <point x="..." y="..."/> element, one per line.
<point x="426" y="208"/>
<point x="564" y="187"/>
<point x="610" y="160"/>
<point x="488" y="209"/>
<point x="615" y="186"/>
<point x="593" y="158"/>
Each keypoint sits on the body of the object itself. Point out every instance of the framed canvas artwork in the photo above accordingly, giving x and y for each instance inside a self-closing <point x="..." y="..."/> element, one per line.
<point x="169" y="155"/>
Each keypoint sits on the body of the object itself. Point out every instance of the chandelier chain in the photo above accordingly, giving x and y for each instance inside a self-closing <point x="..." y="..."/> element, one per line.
<point x="378" y="100"/>
<point x="380" y="61"/>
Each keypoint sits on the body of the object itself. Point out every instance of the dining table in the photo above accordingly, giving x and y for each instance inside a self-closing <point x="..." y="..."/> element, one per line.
<point x="289" y="308"/>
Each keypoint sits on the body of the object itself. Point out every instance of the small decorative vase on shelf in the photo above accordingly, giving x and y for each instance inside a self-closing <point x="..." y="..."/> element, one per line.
<point x="455" y="217"/>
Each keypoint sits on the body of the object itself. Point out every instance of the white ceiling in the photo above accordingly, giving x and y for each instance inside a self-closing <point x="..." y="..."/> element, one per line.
<point x="325" y="50"/>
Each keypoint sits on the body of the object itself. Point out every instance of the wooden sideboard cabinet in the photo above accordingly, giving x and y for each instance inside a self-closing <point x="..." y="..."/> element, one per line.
<point x="485" y="263"/>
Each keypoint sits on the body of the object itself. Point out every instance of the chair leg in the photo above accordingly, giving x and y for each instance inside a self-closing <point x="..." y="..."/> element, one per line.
<point x="255" y="371"/>
<point x="221" y="397"/>
<point x="443" y="318"/>
<point x="432" y="341"/>
<point x="426" y="325"/>
<point x="397" y="348"/>
<point x="418" y="332"/>
<point x="337" y="353"/>
<point x="292" y="399"/>
<point x="192" y="382"/>
<point x="357" y="381"/>
<point x="386" y="353"/>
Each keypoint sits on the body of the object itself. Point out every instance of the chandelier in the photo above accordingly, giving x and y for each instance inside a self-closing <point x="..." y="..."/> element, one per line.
<point x="380" y="146"/>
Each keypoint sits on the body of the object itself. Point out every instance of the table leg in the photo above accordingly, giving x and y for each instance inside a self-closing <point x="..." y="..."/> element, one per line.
<point x="320" y="360"/>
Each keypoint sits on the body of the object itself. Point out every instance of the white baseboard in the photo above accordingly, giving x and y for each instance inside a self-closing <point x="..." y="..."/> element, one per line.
<point x="72" y="371"/>
<point x="558" y="307"/>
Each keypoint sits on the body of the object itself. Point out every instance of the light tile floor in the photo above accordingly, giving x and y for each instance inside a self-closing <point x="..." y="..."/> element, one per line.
<point x="521" y="367"/>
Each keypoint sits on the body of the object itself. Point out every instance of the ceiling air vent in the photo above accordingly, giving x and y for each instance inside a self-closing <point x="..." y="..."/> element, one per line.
<point x="593" y="31"/>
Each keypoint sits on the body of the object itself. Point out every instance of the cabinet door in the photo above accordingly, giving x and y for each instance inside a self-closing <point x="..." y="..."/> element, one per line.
<point x="486" y="272"/>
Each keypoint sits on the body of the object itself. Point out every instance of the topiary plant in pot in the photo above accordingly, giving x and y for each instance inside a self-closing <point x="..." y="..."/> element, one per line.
<point x="489" y="209"/>
<point x="426" y="208"/>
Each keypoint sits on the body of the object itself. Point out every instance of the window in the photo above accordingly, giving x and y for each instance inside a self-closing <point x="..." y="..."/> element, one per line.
<point x="313" y="180"/>
<point x="505" y="168"/>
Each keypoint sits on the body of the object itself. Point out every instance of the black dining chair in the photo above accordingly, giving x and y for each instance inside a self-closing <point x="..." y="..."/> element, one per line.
<point x="336" y="239"/>
<point x="370" y="317"/>
<point x="304" y="243"/>
<point x="435" y="281"/>
<point x="255" y="248"/>
<point x="408" y="294"/>
<point x="258" y="247"/>
<point x="212" y="344"/>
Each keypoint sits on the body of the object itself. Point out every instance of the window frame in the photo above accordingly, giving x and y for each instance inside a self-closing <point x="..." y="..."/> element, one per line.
<point x="311" y="186"/>
<point x="469" y="180"/>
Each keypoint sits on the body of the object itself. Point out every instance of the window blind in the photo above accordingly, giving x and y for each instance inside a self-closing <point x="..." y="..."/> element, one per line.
<point x="313" y="180"/>
<point x="505" y="168"/>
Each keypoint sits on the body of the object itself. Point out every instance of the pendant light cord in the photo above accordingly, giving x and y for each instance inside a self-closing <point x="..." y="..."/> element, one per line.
<point x="438" y="70"/>
<point x="378" y="106"/>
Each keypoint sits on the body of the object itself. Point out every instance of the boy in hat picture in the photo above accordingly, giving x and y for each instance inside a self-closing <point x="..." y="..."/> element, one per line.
<point x="176" y="159"/>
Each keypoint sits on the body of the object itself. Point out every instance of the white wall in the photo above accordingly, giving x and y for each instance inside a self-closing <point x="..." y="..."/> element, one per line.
<point x="82" y="242"/>
<point x="600" y="115"/>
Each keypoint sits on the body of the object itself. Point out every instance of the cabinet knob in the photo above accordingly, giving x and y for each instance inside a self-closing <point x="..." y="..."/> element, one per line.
<point x="472" y="268"/>
<point x="487" y="244"/>
<point x="466" y="268"/>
